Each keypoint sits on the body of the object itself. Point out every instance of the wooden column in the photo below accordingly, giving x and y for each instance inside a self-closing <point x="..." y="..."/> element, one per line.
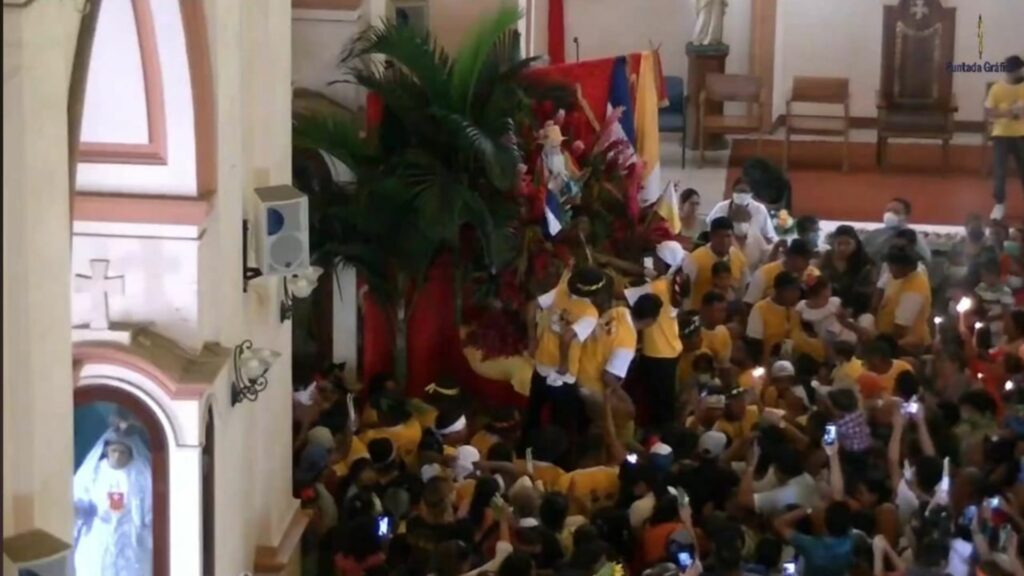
<point x="762" y="53"/>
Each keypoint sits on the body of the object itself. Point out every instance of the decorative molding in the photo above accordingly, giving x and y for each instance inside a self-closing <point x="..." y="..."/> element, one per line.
<point x="200" y="70"/>
<point x="155" y="151"/>
<point x="275" y="559"/>
<point x="321" y="15"/>
<point x="180" y="374"/>
<point x="141" y="209"/>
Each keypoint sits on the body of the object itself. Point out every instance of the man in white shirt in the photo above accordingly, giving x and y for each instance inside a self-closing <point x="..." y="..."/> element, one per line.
<point x="760" y="220"/>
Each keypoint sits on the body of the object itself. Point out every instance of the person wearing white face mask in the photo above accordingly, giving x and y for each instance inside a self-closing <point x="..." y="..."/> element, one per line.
<point x="894" y="219"/>
<point x="760" y="220"/>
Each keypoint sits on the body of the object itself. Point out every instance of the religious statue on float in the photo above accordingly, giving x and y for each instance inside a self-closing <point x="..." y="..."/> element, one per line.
<point x="558" y="169"/>
<point x="113" y="491"/>
<point x="710" y="22"/>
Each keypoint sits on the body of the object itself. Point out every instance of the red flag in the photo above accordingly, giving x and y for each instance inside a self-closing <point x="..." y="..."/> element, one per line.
<point x="556" y="31"/>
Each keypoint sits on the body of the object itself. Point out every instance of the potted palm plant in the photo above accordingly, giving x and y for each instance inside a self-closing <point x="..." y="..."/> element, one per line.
<point x="437" y="176"/>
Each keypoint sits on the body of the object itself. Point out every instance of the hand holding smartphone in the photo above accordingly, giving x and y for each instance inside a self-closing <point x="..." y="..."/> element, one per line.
<point x="831" y="435"/>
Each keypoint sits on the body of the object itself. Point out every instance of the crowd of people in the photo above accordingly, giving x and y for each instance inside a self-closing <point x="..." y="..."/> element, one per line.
<point x="733" y="404"/>
<point x="736" y="402"/>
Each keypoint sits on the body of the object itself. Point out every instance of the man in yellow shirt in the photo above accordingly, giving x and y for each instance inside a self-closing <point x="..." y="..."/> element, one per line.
<point x="797" y="262"/>
<point x="878" y="359"/>
<point x="739" y="419"/>
<point x="714" y="333"/>
<point x="660" y="344"/>
<point x="774" y="324"/>
<point x="568" y="320"/>
<point x="1005" y="108"/>
<point x="608" y="353"/>
<point x="905" y="311"/>
<point x="720" y="248"/>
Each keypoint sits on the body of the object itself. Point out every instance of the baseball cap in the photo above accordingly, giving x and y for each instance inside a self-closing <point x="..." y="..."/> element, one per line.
<point x="712" y="444"/>
<point x="783" y="369"/>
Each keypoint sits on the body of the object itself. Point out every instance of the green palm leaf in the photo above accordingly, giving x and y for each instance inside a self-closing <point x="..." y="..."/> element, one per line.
<point x="416" y="52"/>
<point x="333" y="135"/>
<point x="475" y="51"/>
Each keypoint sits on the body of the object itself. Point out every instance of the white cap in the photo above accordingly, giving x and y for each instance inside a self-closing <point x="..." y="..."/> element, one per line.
<point x="783" y="369"/>
<point x="429" y="471"/>
<point x="661" y="448"/>
<point x="671" y="253"/>
<point x="712" y="444"/>
<point x="465" y="457"/>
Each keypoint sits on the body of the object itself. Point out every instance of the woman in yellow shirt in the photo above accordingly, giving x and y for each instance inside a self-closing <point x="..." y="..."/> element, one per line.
<point x="660" y="344"/>
<point x="1004" y="106"/>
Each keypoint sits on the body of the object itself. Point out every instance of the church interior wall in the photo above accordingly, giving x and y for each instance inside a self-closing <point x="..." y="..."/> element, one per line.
<point x="252" y="73"/>
<point x="39" y="48"/>
<point x="318" y="38"/>
<point x="114" y="110"/>
<point x="842" y="38"/>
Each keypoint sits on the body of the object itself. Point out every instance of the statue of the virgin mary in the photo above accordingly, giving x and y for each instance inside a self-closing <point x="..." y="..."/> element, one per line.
<point x="113" y="491"/>
<point x="710" y="22"/>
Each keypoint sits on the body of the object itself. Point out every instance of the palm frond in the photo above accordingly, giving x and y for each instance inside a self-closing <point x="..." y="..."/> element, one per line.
<point x="333" y="135"/>
<point x="416" y="52"/>
<point x="499" y="158"/>
<point x="475" y="51"/>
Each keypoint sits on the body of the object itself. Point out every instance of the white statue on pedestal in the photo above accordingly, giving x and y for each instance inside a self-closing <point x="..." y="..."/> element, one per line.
<point x="710" y="21"/>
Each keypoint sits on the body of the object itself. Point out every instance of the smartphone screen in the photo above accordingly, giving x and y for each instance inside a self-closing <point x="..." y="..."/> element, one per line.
<point x="830" y="434"/>
<point x="631" y="458"/>
<point x="383" y="526"/>
<point x="529" y="460"/>
<point x="684" y="559"/>
<point x="970" y="513"/>
<point x="789" y="568"/>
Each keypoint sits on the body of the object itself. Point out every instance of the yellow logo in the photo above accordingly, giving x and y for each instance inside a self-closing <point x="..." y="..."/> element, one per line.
<point x="981" y="38"/>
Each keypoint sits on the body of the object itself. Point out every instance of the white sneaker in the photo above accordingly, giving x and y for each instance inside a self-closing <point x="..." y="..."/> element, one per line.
<point x="998" y="212"/>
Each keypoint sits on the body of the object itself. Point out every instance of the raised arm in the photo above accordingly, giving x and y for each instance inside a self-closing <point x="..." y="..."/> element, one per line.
<point x="835" y="472"/>
<point x="896" y="449"/>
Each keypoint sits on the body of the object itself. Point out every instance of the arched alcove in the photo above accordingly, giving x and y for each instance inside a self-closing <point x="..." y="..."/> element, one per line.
<point x="95" y="397"/>
<point x="177" y="418"/>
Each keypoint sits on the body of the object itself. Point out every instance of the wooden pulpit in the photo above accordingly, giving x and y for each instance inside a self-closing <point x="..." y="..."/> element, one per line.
<point x="915" y="98"/>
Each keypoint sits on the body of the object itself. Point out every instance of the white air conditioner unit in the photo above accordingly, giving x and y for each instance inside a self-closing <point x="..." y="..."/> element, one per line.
<point x="36" y="553"/>
<point x="281" y="231"/>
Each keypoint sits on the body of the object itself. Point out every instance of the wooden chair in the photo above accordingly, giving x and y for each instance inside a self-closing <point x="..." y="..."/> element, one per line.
<point x="730" y="88"/>
<point x="916" y="98"/>
<point x="819" y="90"/>
<point x="672" y="118"/>
<point x="986" y="132"/>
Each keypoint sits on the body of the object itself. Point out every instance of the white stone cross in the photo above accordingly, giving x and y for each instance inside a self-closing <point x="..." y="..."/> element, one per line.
<point x="99" y="286"/>
<point x="919" y="9"/>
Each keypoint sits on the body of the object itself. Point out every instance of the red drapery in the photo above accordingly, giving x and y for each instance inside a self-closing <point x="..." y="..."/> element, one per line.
<point x="556" y="31"/>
